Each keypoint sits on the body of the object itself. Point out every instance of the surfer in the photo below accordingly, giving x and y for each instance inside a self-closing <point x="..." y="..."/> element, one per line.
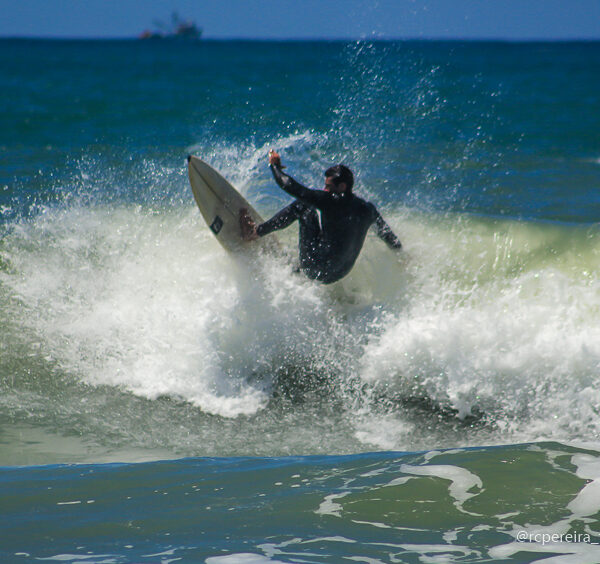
<point x="333" y="222"/>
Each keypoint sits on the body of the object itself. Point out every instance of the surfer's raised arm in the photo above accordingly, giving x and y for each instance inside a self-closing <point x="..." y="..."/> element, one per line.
<point x="291" y="186"/>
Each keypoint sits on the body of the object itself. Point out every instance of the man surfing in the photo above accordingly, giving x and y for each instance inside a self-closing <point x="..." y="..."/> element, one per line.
<point x="333" y="222"/>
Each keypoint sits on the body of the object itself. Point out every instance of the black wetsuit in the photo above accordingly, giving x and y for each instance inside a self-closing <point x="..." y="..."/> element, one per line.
<point x="333" y="228"/>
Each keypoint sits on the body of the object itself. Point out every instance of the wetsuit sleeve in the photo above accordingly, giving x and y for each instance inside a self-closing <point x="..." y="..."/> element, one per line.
<point x="385" y="232"/>
<point x="280" y="220"/>
<point x="317" y="198"/>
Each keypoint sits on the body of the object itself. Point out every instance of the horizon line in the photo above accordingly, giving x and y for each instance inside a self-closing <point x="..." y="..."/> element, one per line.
<point x="310" y="39"/>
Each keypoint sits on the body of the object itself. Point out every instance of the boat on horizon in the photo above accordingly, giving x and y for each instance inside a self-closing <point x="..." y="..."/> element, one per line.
<point x="179" y="30"/>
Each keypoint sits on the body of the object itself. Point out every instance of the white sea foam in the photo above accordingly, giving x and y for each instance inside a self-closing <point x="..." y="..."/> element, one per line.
<point x="475" y="315"/>
<point x="240" y="558"/>
<point x="587" y="501"/>
<point x="508" y="331"/>
<point x="462" y="482"/>
<point x="152" y="304"/>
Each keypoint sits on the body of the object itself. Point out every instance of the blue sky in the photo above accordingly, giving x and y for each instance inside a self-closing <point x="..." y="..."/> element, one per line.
<point x="311" y="19"/>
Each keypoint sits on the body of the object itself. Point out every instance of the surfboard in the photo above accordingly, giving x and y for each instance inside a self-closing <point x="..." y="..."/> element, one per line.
<point x="220" y="205"/>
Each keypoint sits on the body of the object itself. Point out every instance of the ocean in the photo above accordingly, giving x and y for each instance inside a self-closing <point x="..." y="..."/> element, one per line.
<point x="163" y="401"/>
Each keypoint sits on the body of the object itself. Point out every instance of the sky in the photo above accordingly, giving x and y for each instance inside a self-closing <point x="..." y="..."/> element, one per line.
<point x="309" y="19"/>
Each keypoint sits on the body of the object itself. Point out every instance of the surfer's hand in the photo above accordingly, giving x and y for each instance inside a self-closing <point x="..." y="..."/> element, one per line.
<point x="247" y="226"/>
<point x="274" y="158"/>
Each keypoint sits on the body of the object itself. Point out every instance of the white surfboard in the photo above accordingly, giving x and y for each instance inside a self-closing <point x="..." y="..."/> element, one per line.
<point x="220" y="204"/>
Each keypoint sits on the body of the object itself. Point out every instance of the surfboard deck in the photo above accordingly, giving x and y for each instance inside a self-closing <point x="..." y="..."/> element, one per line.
<point x="220" y="205"/>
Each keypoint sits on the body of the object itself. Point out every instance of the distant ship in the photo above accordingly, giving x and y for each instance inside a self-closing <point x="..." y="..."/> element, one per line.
<point x="179" y="30"/>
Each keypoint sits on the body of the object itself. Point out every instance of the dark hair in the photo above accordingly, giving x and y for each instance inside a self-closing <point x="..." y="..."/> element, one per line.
<point x="340" y="173"/>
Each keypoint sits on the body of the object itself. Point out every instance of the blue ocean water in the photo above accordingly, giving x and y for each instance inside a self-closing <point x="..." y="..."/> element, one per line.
<point x="163" y="401"/>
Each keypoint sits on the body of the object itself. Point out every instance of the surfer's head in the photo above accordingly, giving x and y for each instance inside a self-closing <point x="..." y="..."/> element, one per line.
<point x="339" y="179"/>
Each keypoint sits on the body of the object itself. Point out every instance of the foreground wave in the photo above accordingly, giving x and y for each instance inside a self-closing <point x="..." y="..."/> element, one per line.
<point x="510" y="503"/>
